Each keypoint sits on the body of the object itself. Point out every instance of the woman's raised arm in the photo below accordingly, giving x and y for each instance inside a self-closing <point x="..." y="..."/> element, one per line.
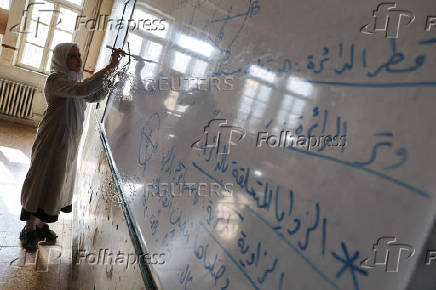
<point x="58" y="85"/>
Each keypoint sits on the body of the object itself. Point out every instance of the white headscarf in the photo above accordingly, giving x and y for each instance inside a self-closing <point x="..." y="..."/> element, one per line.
<point x="59" y="61"/>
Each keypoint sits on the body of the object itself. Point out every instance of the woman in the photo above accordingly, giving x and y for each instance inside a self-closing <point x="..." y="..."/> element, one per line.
<point x="48" y="186"/>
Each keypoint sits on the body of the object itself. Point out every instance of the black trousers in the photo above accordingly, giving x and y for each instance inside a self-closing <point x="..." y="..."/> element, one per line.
<point x="25" y="215"/>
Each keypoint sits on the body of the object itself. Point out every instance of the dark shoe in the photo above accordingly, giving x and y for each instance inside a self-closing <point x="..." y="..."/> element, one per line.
<point x="29" y="239"/>
<point x="46" y="233"/>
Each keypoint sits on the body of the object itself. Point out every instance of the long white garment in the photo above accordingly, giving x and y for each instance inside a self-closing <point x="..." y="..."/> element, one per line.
<point x="49" y="183"/>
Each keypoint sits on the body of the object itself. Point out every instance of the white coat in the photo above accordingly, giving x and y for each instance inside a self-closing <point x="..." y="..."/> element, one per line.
<point x="49" y="183"/>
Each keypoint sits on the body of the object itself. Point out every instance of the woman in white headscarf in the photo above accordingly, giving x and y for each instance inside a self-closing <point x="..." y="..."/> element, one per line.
<point x="48" y="186"/>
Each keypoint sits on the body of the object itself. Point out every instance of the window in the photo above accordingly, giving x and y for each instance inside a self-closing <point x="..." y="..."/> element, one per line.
<point x="4" y="4"/>
<point x="142" y="46"/>
<point x="253" y="104"/>
<point x="290" y="111"/>
<point x="46" y="24"/>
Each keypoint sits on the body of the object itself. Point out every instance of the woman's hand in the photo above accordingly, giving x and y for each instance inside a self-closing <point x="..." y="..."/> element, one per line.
<point x="115" y="59"/>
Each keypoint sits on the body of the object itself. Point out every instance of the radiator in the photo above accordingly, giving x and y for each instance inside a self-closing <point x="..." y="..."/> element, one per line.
<point x="16" y="99"/>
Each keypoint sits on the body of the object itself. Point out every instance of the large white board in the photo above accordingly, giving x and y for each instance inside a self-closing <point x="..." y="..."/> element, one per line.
<point x="278" y="217"/>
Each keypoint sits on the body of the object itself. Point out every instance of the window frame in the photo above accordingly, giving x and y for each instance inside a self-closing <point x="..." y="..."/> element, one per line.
<point x="57" y="5"/>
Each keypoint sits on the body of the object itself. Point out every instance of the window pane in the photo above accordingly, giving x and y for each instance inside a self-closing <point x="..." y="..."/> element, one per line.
<point x="32" y="55"/>
<point x="43" y="11"/>
<point x="181" y="61"/>
<point x="259" y="110"/>
<point x="298" y="107"/>
<point x="250" y="88"/>
<point x="149" y="70"/>
<point x="4" y="4"/>
<point x="154" y="51"/>
<point x="262" y="73"/>
<point x="135" y="43"/>
<point x="195" y="45"/>
<point x="37" y="33"/>
<point x="264" y="93"/>
<point x="66" y="20"/>
<point x="245" y="104"/>
<point x="60" y="37"/>
<point x="77" y="2"/>
<point x="199" y="68"/>
<point x="47" y="67"/>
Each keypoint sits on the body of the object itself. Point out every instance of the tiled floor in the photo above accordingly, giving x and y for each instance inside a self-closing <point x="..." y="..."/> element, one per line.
<point x="50" y="266"/>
